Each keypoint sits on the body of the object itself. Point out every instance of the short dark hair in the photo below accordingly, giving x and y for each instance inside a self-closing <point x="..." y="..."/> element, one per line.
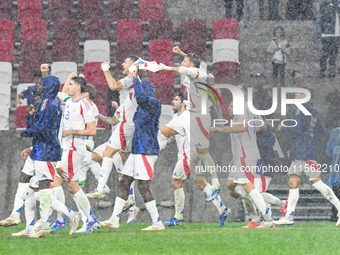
<point x="133" y="58"/>
<point x="81" y="82"/>
<point x="194" y="59"/>
<point x="180" y="95"/>
<point x="91" y="90"/>
<point x="37" y="75"/>
<point x="295" y="72"/>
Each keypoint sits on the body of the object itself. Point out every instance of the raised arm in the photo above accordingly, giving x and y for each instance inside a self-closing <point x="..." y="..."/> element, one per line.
<point x="113" y="84"/>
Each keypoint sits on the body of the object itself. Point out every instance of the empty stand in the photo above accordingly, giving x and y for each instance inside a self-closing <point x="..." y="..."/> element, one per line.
<point x="65" y="50"/>
<point x="20" y="117"/>
<point x="66" y="30"/>
<point x="97" y="30"/>
<point x="96" y="51"/>
<point x="7" y="30"/>
<point x="33" y="50"/>
<point x="33" y="30"/>
<point x="101" y="95"/>
<point x="89" y="10"/>
<point x="29" y="9"/>
<point x="63" y="69"/>
<point x="120" y="9"/>
<point x="195" y="46"/>
<point x="125" y="49"/>
<point x="60" y="9"/>
<point x="226" y="73"/>
<point x="6" y="9"/>
<point x="166" y="116"/>
<point x="225" y="50"/>
<point x="151" y="9"/>
<point x="164" y="91"/>
<point x="161" y="30"/>
<point x="193" y="29"/>
<point x="224" y="29"/>
<point x="101" y="124"/>
<point x="4" y="118"/>
<point x="6" y="73"/>
<point x="27" y="70"/>
<point x="129" y="30"/>
<point x="7" y="51"/>
<point x="93" y="73"/>
<point x="5" y="95"/>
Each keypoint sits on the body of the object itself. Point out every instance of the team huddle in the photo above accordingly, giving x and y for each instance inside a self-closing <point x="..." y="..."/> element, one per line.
<point x="63" y="150"/>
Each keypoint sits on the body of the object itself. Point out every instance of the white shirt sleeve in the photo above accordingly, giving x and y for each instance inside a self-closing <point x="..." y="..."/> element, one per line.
<point x="127" y="82"/>
<point x="193" y="73"/>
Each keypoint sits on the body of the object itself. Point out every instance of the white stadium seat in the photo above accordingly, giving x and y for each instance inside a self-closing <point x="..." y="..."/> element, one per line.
<point x="5" y="95"/>
<point x="63" y="69"/>
<point x="6" y="73"/>
<point x="96" y="51"/>
<point x="225" y="50"/>
<point x="4" y="115"/>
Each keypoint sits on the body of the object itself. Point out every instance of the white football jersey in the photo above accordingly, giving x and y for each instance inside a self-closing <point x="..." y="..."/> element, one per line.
<point x="183" y="144"/>
<point x="127" y="98"/>
<point x="89" y="139"/>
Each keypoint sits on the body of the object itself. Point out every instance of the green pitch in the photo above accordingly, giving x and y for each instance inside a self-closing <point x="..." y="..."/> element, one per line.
<point x="191" y="238"/>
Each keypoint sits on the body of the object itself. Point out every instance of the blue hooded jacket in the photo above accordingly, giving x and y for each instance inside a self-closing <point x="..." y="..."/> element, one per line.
<point x="146" y="119"/>
<point x="309" y="128"/>
<point x="47" y="117"/>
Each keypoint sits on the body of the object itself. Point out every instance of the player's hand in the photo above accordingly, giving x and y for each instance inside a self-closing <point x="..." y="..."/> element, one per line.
<point x="105" y="66"/>
<point x="44" y="68"/>
<point x="177" y="50"/>
<point x="215" y="129"/>
<point x="164" y="67"/>
<point x="279" y="127"/>
<point x="19" y="137"/>
<point x="234" y="195"/>
<point x="31" y="109"/>
<point x="135" y="73"/>
<point x="25" y="153"/>
<point x="114" y="104"/>
<point x="62" y="173"/>
<point x="66" y="133"/>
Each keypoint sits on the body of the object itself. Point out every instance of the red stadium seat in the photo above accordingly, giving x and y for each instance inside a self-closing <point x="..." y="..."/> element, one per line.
<point x="120" y="9"/>
<point x="195" y="46"/>
<point x="227" y="73"/>
<point x="225" y="113"/>
<point x="164" y="91"/>
<point x="7" y="30"/>
<point x="102" y="110"/>
<point x="7" y="51"/>
<point x="29" y="9"/>
<point x="161" y="51"/>
<point x="161" y="30"/>
<point x="129" y="30"/>
<point x="101" y="96"/>
<point x="163" y="77"/>
<point x="6" y="9"/>
<point x="21" y="117"/>
<point x="97" y="30"/>
<point x="224" y="29"/>
<point x="89" y="10"/>
<point x="33" y="50"/>
<point x="193" y="29"/>
<point x="124" y="49"/>
<point x="94" y="74"/>
<point x="60" y="9"/>
<point x="66" y="30"/>
<point x="26" y="71"/>
<point x="34" y="30"/>
<point x="151" y="9"/>
<point x="64" y="50"/>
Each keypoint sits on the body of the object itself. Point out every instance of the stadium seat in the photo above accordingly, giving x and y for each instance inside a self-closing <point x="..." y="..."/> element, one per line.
<point x="124" y="49"/>
<point x="195" y="46"/>
<point x="6" y="9"/>
<point x="7" y="30"/>
<point x="226" y="73"/>
<point x="151" y="9"/>
<point x="7" y="51"/>
<point x="193" y="30"/>
<point x="94" y="74"/>
<point x="34" y="30"/>
<point x="96" y="51"/>
<point x="161" y="30"/>
<point x="33" y="50"/>
<point x="63" y="69"/>
<point x="97" y="30"/>
<point x="101" y="124"/>
<point x="101" y="96"/>
<point x="66" y="30"/>
<point x="64" y="50"/>
<point x="166" y="116"/>
<point x="27" y="70"/>
<point x="4" y="118"/>
<point x="120" y="9"/>
<point x="224" y="29"/>
<point x="129" y="30"/>
<point x="164" y="91"/>
<point x="29" y="9"/>
<point x="21" y="117"/>
<point x="89" y="10"/>
<point x="6" y="73"/>
<point x="21" y="87"/>
<point x="60" y="9"/>
<point x="5" y="95"/>
<point x="225" y="50"/>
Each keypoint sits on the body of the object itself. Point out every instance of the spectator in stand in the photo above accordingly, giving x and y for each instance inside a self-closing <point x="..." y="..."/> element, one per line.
<point x="239" y="9"/>
<point x="279" y="48"/>
<point x="333" y="113"/>
<point x="297" y="78"/>
<point x="329" y="32"/>
<point x="31" y="94"/>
